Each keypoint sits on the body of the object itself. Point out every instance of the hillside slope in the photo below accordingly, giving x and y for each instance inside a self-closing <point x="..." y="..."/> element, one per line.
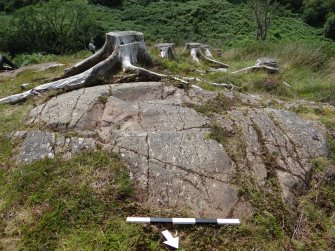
<point x="217" y="22"/>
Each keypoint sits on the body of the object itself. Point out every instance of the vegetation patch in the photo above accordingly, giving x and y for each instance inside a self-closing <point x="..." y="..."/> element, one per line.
<point x="70" y="203"/>
<point x="218" y="105"/>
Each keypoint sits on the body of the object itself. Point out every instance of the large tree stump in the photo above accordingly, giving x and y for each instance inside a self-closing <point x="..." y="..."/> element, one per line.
<point x="122" y="51"/>
<point x="113" y="39"/>
<point x="199" y="51"/>
<point x="167" y="50"/>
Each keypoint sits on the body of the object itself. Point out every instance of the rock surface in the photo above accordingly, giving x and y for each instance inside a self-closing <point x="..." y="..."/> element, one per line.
<point x="167" y="147"/>
<point x="39" y="145"/>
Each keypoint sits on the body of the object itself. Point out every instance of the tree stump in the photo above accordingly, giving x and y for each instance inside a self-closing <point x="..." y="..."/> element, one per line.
<point x="206" y="49"/>
<point x="268" y="65"/>
<point x="113" y="39"/>
<point x="271" y="62"/>
<point x="167" y="50"/>
<point x="194" y="49"/>
<point x="121" y="51"/>
<point x="200" y="51"/>
<point x="3" y="61"/>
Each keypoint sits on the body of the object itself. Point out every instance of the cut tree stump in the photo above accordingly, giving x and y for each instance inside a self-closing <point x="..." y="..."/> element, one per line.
<point x="167" y="50"/>
<point x="207" y="50"/>
<point x="121" y="52"/>
<point x="268" y="65"/>
<point x="199" y="51"/>
<point x="113" y="39"/>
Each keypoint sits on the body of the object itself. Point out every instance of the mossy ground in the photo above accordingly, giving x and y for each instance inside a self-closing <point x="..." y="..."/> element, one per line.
<point x="81" y="204"/>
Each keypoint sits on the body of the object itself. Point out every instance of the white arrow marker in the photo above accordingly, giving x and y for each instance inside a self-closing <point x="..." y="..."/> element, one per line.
<point x="170" y="240"/>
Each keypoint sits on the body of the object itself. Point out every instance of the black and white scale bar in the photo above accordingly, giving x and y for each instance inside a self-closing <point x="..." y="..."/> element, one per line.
<point x="183" y="220"/>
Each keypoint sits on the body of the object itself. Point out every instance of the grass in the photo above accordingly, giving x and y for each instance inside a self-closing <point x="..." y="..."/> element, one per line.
<point x="78" y="203"/>
<point x="307" y="68"/>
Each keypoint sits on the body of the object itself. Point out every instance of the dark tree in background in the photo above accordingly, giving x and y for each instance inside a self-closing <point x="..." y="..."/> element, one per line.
<point x="263" y="13"/>
<point x="54" y="27"/>
<point x="11" y="5"/>
<point x="330" y="27"/>
<point x="316" y="12"/>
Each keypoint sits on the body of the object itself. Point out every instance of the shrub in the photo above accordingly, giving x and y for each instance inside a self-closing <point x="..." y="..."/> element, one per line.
<point x="106" y="2"/>
<point x="330" y="27"/>
<point x="35" y="58"/>
<point x="41" y="28"/>
<point x="316" y="11"/>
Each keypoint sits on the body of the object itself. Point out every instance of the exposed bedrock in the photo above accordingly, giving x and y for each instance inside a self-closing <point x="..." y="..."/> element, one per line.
<point x="167" y="147"/>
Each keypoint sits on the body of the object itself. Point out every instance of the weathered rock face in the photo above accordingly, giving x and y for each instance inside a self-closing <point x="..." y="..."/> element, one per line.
<point x="166" y="145"/>
<point x="277" y="141"/>
<point x="39" y="145"/>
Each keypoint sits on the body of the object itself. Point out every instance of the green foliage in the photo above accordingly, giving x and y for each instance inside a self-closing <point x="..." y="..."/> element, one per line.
<point x="273" y="85"/>
<point x="316" y="11"/>
<point x="295" y="5"/>
<point x="106" y="2"/>
<point x="269" y="226"/>
<point x="34" y="58"/>
<point x="314" y="228"/>
<point x="40" y="28"/>
<point x="331" y="143"/>
<point x="11" y="5"/>
<point x="76" y="200"/>
<point x="219" y="134"/>
<point x="219" y="104"/>
<point x="5" y="151"/>
<point x="216" y="22"/>
<point x="263" y="11"/>
<point x="330" y="27"/>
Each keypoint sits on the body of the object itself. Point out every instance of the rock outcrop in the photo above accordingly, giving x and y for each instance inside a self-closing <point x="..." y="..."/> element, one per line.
<point x="168" y="148"/>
